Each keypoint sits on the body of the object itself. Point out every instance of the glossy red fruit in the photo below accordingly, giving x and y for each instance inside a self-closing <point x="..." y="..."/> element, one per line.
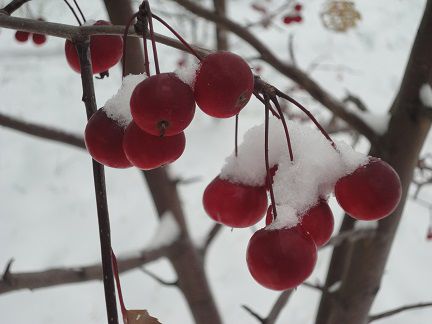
<point x="298" y="7"/>
<point x="319" y="223"/>
<point x="106" y="51"/>
<point x="104" y="141"/>
<point x="39" y="39"/>
<point x="223" y="85"/>
<point x="234" y="204"/>
<point x="272" y="170"/>
<point x="162" y="104"/>
<point x="148" y="152"/>
<point x="22" y="36"/>
<point x="371" y="192"/>
<point x="281" y="259"/>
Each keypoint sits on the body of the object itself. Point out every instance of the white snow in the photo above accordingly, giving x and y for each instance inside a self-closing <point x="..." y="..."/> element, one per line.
<point x="363" y="225"/>
<point x="118" y="107"/>
<point x="378" y="122"/>
<point x="299" y="184"/>
<point x="335" y="286"/>
<point x="187" y="73"/>
<point x="166" y="233"/>
<point x="426" y="95"/>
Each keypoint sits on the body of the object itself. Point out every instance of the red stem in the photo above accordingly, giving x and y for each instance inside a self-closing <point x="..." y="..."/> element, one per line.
<point x="308" y="113"/>
<point x="181" y="39"/>
<point x="284" y="123"/>
<point x="125" y="35"/>
<point x="266" y="154"/>
<point x="118" y="285"/>
<point x="152" y="38"/>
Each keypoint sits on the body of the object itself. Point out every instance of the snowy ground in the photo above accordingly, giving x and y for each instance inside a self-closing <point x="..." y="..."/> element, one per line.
<point x="47" y="209"/>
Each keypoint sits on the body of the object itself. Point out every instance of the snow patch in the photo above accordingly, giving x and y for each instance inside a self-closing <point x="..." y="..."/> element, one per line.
<point x="188" y="72"/>
<point x="363" y="225"/>
<point x="334" y="287"/>
<point x="299" y="184"/>
<point x="426" y="95"/>
<point x="166" y="233"/>
<point x="118" y="108"/>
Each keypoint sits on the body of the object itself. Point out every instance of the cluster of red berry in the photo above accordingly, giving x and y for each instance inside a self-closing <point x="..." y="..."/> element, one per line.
<point x="161" y="106"/>
<point x="23" y="36"/>
<point x="294" y="16"/>
<point x="282" y="257"/>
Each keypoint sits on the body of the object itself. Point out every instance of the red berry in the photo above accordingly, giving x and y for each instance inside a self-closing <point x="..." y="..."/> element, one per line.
<point x="162" y="105"/>
<point x="371" y="192"/>
<point x="281" y="259"/>
<point x="223" y="85"/>
<point x="272" y="172"/>
<point x="39" y="39"/>
<point x="106" y="51"/>
<point x="318" y="222"/>
<point x="297" y="19"/>
<point x="429" y="234"/>
<point x="298" y="7"/>
<point x="288" y="20"/>
<point x="104" y="140"/>
<point x="22" y="36"/>
<point x="234" y="204"/>
<point x="148" y="152"/>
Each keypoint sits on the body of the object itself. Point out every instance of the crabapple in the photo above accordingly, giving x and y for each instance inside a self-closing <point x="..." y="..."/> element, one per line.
<point x="104" y="140"/>
<point x="234" y="204"/>
<point x="162" y="105"/>
<point x="371" y="192"/>
<point x="22" y="36"/>
<point x="39" y="39"/>
<point x="317" y="221"/>
<point x="106" y="51"/>
<point x="148" y="152"/>
<point x="281" y="259"/>
<point x="223" y="84"/>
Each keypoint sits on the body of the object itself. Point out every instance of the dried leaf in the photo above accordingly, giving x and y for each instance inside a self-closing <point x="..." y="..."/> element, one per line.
<point x="138" y="316"/>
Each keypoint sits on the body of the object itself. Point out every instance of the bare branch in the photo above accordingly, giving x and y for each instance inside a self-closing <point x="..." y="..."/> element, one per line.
<point x="210" y="237"/>
<point x="158" y="279"/>
<point x="254" y="314"/>
<point x="60" y="276"/>
<point x="72" y="32"/>
<point x="397" y="310"/>
<point x="13" y="6"/>
<point x="318" y="93"/>
<point x="278" y="306"/>
<point x="351" y="235"/>
<point x="46" y="132"/>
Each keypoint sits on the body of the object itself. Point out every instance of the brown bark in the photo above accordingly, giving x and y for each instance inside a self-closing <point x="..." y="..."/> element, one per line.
<point x="400" y="146"/>
<point x="185" y="257"/>
<point x="221" y="34"/>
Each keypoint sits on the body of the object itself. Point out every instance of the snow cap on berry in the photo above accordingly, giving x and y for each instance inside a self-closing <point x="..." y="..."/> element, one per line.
<point x="187" y="72"/>
<point x="299" y="184"/>
<point x="117" y="108"/>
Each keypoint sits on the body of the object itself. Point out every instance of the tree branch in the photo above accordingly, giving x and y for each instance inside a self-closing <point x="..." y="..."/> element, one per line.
<point x="59" y="276"/>
<point x="13" y="6"/>
<point x="160" y="280"/>
<point x="292" y="72"/>
<point x="319" y="94"/>
<point x="210" y="237"/>
<point x="46" y="132"/>
<point x="397" y="310"/>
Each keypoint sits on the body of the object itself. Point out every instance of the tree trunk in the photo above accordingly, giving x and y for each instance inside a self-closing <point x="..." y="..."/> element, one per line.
<point x="221" y="34"/>
<point x="185" y="257"/>
<point x="400" y="147"/>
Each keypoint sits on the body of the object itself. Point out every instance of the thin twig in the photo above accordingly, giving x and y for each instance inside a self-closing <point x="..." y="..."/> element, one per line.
<point x="50" y="133"/>
<point x="397" y="310"/>
<point x="210" y="238"/>
<point x="13" y="6"/>
<point x="254" y="314"/>
<point x="62" y="276"/>
<point x="89" y="99"/>
<point x="160" y="280"/>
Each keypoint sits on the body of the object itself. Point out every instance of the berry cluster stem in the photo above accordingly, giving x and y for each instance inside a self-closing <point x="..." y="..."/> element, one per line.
<point x="266" y="153"/>
<point x="118" y="285"/>
<point x="73" y="12"/>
